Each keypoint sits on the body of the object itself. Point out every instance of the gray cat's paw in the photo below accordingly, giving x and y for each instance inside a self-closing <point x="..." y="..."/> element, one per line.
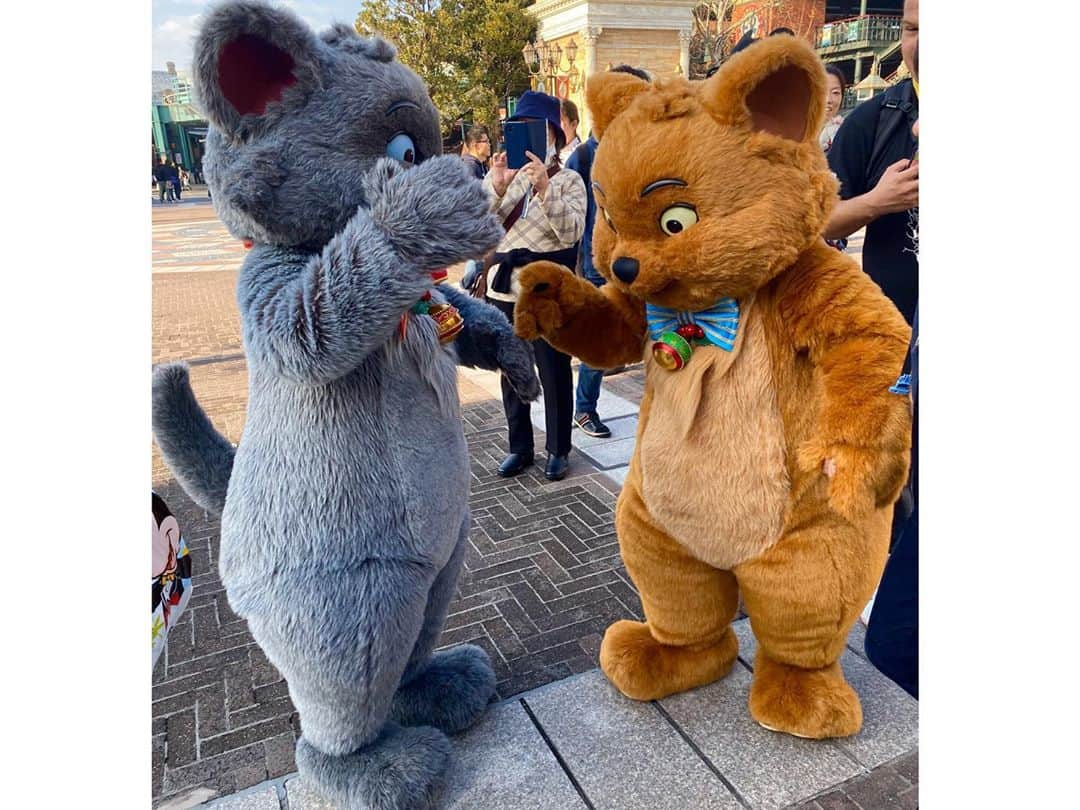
<point x="518" y="363"/>
<point x="435" y="214"/>
<point x="450" y="694"/>
<point x="377" y="180"/>
<point x="403" y="768"/>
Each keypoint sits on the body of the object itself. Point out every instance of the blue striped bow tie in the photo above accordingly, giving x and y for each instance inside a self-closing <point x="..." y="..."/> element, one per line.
<point x="720" y="322"/>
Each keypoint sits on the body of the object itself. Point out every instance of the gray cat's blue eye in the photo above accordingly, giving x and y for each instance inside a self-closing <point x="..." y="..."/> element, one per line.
<point x="401" y="147"/>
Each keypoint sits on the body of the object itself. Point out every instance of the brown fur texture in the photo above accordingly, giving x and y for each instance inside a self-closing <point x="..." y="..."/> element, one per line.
<point x="769" y="471"/>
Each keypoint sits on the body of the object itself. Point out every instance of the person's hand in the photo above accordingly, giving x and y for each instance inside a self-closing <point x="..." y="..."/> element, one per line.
<point x="898" y="188"/>
<point x="537" y="173"/>
<point x="501" y="176"/>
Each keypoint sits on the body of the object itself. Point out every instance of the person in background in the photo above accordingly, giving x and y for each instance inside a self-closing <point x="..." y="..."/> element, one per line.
<point x="174" y="179"/>
<point x="872" y="156"/>
<point x="590" y="379"/>
<point x="477" y="150"/>
<point x="835" y="85"/>
<point x="892" y="633"/>
<point x="542" y="206"/>
<point x="161" y="174"/>
<point x="568" y="117"/>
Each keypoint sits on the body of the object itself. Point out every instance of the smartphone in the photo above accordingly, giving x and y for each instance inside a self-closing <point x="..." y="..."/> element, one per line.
<point x="522" y="136"/>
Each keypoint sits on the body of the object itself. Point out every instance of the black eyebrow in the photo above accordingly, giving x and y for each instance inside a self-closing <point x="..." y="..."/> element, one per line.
<point x="402" y="103"/>
<point x="667" y="181"/>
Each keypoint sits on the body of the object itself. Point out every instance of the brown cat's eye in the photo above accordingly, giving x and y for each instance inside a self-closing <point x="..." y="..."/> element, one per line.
<point x="677" y="218"/>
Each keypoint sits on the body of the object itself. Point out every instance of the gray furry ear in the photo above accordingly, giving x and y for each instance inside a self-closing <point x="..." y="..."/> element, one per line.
<point x="345" y="38"/>
<point x="379" y="48"/>
<point x="252" y="64"/>
<point x="337" y="34"/>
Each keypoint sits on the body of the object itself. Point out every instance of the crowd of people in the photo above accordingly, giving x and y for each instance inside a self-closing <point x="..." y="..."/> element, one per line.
<point x="171" y="180"/>
<point x="548" y="211"/>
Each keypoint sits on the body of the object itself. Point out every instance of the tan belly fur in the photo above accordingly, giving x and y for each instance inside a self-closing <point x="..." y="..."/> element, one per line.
<point x="712" y="450"/>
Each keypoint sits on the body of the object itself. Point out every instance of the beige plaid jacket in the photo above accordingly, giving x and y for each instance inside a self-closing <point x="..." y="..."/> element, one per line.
<point x="553" y="223"/>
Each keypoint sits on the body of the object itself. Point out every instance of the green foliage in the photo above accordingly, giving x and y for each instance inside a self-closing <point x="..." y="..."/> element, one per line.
<point x="467" y="51"/>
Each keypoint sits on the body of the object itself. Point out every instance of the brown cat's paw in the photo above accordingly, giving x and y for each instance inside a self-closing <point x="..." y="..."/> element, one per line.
<point x="546" y="296"/>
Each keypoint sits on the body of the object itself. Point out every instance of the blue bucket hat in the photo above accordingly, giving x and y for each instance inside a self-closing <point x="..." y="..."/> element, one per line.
<point x="538" y="105"/>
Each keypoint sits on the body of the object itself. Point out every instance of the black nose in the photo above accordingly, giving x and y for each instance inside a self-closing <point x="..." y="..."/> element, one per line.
<point x="625" y="269"/>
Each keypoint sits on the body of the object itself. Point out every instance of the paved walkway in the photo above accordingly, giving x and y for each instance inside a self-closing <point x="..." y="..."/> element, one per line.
<point x="579" y="743"/>
<point x="542" y="581"/>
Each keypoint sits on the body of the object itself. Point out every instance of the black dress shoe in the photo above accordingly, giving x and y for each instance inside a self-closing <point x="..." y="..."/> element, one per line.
<point x="515" y="463"/>
<point x="556" y="468"/>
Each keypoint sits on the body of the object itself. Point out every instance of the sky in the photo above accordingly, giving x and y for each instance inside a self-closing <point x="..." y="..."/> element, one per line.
<point x="175" y="22"/>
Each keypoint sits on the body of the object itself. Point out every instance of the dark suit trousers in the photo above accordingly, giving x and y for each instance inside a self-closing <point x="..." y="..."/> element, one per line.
<point x="558" y="384"/>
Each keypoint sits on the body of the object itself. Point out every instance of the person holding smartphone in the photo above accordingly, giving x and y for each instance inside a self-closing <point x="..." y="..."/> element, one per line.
<point x="542" y="206"/>
<point x="892" y="630"/>
<point x="873" y="157"/>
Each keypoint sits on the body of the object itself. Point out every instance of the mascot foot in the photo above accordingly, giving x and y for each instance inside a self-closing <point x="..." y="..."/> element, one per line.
<point x="644" y="669"/>
<point x="450" y="694"/>
<point x="402" y="768"/>
<point x="813" y="703"/>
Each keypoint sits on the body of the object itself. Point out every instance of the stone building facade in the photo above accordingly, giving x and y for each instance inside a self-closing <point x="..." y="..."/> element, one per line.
<point x="652" y="35"/>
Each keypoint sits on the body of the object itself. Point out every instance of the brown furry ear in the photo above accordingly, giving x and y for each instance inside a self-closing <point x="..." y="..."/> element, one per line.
<point x="607" y="95"/>
<point x="775" y="86"/>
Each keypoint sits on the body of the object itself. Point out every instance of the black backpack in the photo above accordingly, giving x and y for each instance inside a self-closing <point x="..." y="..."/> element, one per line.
<point x="898" y="109"/>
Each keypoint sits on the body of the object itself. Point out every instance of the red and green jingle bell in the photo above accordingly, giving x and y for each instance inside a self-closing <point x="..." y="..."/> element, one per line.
<point x="672" y="351"/>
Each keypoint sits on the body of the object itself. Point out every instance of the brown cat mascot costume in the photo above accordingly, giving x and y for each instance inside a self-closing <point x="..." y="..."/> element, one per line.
<point x="770" y="449"/>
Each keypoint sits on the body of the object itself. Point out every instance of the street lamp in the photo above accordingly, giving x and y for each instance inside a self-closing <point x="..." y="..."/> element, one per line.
<point x="532" y="58"/>
<point x="545" y="61"/>
<point x="571" y="52"/>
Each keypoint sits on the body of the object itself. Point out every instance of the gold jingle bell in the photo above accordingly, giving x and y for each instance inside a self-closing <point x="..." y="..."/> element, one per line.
<point x="448" y="320"/>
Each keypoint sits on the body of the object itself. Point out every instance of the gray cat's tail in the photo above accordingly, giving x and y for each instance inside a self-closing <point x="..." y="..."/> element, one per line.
<point x="199" y="456"/>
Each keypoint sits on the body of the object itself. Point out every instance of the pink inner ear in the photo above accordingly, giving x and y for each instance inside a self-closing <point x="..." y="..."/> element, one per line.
<point x="252" y="72"/>
<point x="780" y="103"/>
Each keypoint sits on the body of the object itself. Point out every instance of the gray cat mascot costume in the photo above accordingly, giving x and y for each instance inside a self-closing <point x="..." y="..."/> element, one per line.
<point x="349" y="491"/>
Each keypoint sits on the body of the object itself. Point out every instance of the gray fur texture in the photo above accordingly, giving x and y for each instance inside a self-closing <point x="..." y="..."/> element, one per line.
<point x="199" y="456"/>
<point x="344" y="516"/>
<point x="484" y="343"/>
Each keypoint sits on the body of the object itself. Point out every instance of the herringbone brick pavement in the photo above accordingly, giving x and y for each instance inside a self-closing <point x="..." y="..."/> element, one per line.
<point x="542" y="580"/>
